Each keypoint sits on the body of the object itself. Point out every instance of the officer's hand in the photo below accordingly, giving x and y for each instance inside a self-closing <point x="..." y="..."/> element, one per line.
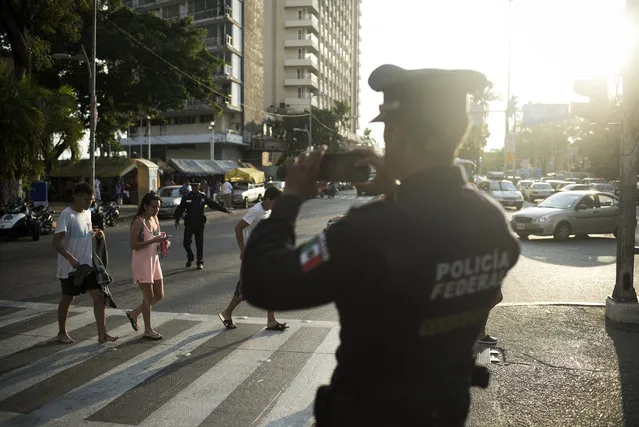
<point x="177" y="223"/>
<point x="301" y="178"/>
<point x="382" y="183"/>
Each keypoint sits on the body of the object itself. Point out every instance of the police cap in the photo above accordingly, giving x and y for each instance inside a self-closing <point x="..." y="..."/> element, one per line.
<point x="412" y="91"/>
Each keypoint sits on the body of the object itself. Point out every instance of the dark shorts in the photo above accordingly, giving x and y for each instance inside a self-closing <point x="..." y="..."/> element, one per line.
<point x="69" y="288"/>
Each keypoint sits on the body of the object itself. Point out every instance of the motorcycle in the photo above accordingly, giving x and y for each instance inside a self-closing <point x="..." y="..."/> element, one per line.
<point x="44" y="217"/>
<point x="97" y="216"/>
<point x="19" y="221"/>
<point x="111" y="214"/>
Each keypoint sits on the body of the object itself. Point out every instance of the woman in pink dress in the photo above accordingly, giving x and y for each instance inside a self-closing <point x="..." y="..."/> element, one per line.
<point x="147" y="273"/>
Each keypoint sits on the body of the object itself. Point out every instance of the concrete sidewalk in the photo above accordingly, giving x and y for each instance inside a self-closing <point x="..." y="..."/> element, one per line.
<point x="559" y="366"/>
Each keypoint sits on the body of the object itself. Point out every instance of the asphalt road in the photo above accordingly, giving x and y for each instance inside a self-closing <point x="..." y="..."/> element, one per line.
<point x="580" y="270"/>
<point x="200" y="373"/>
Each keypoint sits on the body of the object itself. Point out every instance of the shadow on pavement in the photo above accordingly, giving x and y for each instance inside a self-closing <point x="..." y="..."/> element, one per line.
<point x="592" y="251"/>
<point x="626" y="341"/>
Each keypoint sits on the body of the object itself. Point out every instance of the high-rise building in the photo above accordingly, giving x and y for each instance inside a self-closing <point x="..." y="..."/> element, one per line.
<point x="312" y="55"/>
<point x="235" y="35"/>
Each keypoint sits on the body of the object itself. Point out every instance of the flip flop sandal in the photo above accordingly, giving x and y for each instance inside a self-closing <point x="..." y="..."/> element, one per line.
<point x="227" y="323"/>
<point x="278" y="327"/>
<point x="154" y="337"/>
<point x="134" y="323"/>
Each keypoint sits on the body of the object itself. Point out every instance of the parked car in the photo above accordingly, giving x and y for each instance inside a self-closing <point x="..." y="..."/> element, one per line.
<point x="170" y="198"/>
<point x="245" y="193"/>
<point x="524" y="184"/>
<point x="504" y="192"/>
<point x="569" y="213"/>
<point x="278" y="184"/>
<point x="538" y="190"/>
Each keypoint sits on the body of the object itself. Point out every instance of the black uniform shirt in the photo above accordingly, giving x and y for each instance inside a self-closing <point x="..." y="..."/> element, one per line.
<point x="413" y="280"/>
<point x="194" y="203"/>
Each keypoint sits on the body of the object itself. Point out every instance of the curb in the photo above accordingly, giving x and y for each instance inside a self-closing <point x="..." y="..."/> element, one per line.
<point x="552" y="303"/>
<point x="622" y="312"/>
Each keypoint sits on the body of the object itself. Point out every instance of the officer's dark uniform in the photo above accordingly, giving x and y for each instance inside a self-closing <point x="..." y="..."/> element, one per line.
<point x="194" y="203"/>
<point x="413" y="278"/>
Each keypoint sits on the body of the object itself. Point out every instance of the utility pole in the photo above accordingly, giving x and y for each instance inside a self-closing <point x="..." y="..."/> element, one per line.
<point x="507" y="112"/>
<point x="310" y="123"/>
<point x="622" y="305"/>
<point x="92" y="100"/>
<point x="148" y="136"/>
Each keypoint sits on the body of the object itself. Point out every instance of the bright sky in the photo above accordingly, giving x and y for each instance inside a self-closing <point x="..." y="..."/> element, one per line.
<point x="553" y="43"/>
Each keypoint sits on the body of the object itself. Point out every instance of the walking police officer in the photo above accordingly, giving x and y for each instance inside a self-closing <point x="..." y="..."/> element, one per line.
<point x="413" y="276"/>
<point x="193" y="203"/>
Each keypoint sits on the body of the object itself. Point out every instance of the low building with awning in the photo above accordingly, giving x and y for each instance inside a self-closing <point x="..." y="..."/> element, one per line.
<point x="140" y="175"/>
<point x="201" y="167"/>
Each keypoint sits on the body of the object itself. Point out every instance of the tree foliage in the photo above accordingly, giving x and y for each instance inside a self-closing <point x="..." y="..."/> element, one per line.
<point x="36" y="125"/>
<point x="27" y="27"/>
<point x="473" y="146"/>
<point x="367" y="138"/>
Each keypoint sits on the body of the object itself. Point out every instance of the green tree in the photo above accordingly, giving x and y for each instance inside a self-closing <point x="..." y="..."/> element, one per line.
<point x="478" y="135"/>
<point x="26" y="28"/>
<point x="145" y="65"/>
<point x="36" y="126"/>
<point x="541" y="143"/>
<point x="368" y="139"/>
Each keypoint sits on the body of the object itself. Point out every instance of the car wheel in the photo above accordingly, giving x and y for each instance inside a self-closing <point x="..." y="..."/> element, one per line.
<point x="245" y="204"/>
<point x="562" y="231"/>
<point x="523" y="236"/>
<point x="519" y="205"/>
<point x="35" y="234"/>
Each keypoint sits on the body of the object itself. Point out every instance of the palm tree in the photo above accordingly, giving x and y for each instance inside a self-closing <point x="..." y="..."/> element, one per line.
<point x="476" y="140"/>
<point x="36" y="126"/>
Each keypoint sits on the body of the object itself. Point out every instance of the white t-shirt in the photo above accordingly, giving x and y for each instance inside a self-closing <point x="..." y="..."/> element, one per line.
<point x="227" y="188"/>
<point x="252" y="217"/>
<point x="77" y="240"/>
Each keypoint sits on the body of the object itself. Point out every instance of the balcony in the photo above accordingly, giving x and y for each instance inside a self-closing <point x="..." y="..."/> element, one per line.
<point x="308" y="42"/>
<point x="207" y="16"/>
<point x="223" y="72"/>
<point x="228" y="137"/>
<point x="301" y="104"/>
<point x="302" y="62"/>
<point x="216" y="43"/>
<point x="309" y="22"/>
<point x="309" y="4"/>
<point x="310" y="81"/>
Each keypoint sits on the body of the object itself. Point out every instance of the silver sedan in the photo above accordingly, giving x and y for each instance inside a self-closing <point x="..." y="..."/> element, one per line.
<point x="569" y="213"/>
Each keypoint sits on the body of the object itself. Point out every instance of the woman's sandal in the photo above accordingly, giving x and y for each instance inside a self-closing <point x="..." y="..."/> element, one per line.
<point x="155" y="337"/>
<point x="277" y="327"/>
<point x="134" y="322"/>
<point x="227" y="323"/>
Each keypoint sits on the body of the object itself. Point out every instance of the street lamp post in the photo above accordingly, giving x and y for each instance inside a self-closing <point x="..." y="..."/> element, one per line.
<point x="92" y="101"/>
<point x="212" y="130"/>
<point x="507" y="112"/>
<point x="148" y="137"/>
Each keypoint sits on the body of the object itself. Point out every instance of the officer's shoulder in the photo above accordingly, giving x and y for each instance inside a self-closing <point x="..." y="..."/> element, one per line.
<point x="367" y="213"/>
<point x="484" y="202"/>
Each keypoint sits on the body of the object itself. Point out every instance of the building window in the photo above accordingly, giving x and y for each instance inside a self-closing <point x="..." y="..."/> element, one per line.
<point x="301" y="92"/>
<point x="300" y="53"/>
<point x="300" y="73"/>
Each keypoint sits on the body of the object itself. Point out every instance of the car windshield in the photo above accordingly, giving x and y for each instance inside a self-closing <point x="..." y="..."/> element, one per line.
<point x="542" y="186"/>
<point x="525" y="184"/>
<point x="561" y="201"/>
<point x="502" y="186"/>
<point x="170" y="192"/>
<point x="240" y="186"/>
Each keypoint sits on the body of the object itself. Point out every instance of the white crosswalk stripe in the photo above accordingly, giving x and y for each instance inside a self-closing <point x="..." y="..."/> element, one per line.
<point x="196" y="376"/>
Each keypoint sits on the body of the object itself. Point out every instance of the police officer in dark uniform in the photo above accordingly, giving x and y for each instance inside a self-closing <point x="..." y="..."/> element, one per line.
<point x="413" y="275"/>
<point x="193" y="203"/>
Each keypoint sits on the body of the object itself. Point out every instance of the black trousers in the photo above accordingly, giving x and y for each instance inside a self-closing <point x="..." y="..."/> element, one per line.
<point x="190" y="230"/>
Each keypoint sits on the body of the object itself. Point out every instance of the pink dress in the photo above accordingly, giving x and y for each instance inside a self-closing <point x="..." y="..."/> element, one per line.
<point x="146" y="262"/>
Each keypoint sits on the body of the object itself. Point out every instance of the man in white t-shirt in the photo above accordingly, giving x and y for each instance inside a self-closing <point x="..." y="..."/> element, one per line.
<point x="73" y="239"/>
<point x="243" y="230"/>
<point x="227" y="194"/>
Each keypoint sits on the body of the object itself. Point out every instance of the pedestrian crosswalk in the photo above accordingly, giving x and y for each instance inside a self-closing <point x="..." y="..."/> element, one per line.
<point x="199" y="374"/>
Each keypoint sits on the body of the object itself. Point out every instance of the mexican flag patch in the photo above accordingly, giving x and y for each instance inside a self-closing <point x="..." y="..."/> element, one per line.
<point x="314" y="253"/>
